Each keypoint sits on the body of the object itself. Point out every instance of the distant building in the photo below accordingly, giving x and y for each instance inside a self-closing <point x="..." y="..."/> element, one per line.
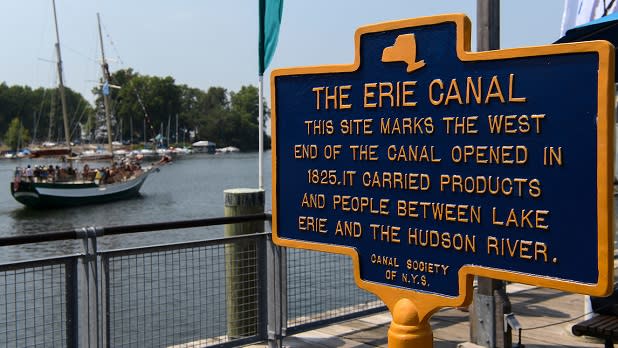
<point x="204" y="146"/>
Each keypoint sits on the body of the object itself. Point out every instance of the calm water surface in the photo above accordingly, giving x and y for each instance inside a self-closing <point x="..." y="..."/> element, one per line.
<point x="190" y="188"/>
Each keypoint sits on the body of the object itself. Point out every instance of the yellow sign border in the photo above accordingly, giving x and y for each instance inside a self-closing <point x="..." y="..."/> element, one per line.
<point x="428" y="303"/>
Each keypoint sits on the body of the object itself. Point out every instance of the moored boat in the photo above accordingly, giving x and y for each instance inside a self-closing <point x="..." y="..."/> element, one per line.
<point x="95" y="155"/>
<point x="227" y="149"/>
<point x="49" y="151"/>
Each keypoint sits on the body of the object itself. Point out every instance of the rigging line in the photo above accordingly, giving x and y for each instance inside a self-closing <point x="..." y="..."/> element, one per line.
<point x="146" y="116"/>
<point x="111" y="42"/>
<point x="79" y="120"/>
<point x="72" y="119"/>
<point x="606" y="7"/>
<point x="40" y="113"/>
<point x="79" y="53"/>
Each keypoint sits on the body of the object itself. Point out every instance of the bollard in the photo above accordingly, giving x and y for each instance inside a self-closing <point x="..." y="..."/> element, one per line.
<point x="407" y="330"/>
<point x="241" y="263"/>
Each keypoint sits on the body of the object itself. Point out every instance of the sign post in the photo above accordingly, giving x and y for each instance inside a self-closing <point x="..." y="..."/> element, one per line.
<point x="429" y="164"/>
<point x="490" y="302"/>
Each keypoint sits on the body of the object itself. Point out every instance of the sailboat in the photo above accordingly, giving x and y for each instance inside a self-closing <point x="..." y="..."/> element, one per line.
<point x="62" y="185"/>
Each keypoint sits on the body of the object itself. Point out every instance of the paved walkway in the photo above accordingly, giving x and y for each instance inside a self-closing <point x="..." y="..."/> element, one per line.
<point x="547" y="309"/>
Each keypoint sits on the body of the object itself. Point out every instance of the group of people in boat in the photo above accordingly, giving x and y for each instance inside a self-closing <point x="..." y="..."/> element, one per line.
<point x="117" y="172"/>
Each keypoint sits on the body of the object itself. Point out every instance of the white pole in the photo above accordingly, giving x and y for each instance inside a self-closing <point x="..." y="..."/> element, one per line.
<point x="261" y="134"/>
<point x="588" y="313"/>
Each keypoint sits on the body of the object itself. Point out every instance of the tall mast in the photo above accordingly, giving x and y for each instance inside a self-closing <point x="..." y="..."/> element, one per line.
<point x="106" y="87"/>
<point x="63" y="101"/>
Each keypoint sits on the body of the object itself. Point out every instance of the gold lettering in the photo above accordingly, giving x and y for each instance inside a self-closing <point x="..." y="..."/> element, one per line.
<point x="494" y="90"/>
<point x="522" y="218"/>
<point x="385" y="233"/>
<point x="522" y="249"/>
<point x="361" y="204"/>
<point x="407" y="93"/>
<point x="313" y="200"/>
<point x="440" y="86"/>
<point x="476" y="91"/>
<point x="364" y="152"/>
<point x="552" y="156"/>
<point x="511" y="88"/>
<point x="302" y="151"/>
<point x="349" y="229"/>
<point x="445" y="240"/>
<point x="412" y="153"/>
<point x="312" y="224"/>
<point x="344" y="96"/>
<point x="482" y="154"/>
<point x="440" y="211"/>
<point x="453" y="93"/>
<point x="369" y="94"/>
<point x="388" y="93"/>
<point x="330" y="97"/>
<point x="317" y="91"/>
<point x="511" y="124"/>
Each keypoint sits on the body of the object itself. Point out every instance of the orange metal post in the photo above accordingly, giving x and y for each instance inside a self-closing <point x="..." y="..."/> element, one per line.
<point x="406" y="330"/>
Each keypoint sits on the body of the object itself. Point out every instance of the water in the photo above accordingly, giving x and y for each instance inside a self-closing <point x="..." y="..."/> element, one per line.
<point x="150" y="296"/>
<point x="190" y="188"/>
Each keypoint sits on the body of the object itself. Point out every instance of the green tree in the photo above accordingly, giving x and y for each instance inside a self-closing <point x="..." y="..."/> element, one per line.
<point x="191" y="114"/>
<point x="227" y="118"/>
<point x="16" y="135"/>
<point x="213" y="111"/>
<point x="40" y="110"/>
<point x="245" y="107"/>
<point x="155" y="100"/>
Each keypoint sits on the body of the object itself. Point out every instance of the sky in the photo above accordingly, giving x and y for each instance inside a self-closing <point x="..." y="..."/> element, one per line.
<point x="205" y="43"/>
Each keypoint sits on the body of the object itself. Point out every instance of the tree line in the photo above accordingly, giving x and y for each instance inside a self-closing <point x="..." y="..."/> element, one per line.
<point x="142" y="107"/>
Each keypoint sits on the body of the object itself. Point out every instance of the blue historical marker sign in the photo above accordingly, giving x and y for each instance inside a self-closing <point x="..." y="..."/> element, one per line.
<point x="428" y="163"/>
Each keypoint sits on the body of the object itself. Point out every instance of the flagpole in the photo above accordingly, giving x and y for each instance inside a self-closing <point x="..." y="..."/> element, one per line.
<point x="261" y="130"/>
<point x="269" y="22"/>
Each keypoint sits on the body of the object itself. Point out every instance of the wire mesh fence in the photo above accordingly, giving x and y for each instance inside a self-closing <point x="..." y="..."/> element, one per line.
<point x="35" y="302"/>
<point x="320" y="287"/>
<point x="186" y="296"/>
<point x="196" y="294"/>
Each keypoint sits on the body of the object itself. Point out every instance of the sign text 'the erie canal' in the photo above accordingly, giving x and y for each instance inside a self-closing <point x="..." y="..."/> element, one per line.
<point x="425" y="159"/>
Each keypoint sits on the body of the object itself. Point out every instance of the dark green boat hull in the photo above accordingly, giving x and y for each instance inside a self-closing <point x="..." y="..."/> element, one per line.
<point x="62" y="195"/>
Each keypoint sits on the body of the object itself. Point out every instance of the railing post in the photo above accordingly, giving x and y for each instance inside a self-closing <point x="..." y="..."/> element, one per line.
<point x="277" y="295"/>
<point x="104" y="320"/>
<point x="241" y="263"/>
<point x="87" y="288"/>
<point x="263" y="279"/>
<point x="71" y="295"/>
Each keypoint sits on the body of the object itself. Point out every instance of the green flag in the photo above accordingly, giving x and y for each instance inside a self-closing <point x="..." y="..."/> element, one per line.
<point x="270" y="20"/>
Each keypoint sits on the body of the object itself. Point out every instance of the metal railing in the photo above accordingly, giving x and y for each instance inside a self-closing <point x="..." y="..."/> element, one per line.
<point x="37" y="303"/>
<point x="219" y="292"/>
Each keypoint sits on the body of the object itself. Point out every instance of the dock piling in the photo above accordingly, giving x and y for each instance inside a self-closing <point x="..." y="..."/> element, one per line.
<point x="241" y="263"/>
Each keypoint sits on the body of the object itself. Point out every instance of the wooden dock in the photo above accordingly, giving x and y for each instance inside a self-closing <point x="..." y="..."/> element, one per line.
<point x="546" y="317"/>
